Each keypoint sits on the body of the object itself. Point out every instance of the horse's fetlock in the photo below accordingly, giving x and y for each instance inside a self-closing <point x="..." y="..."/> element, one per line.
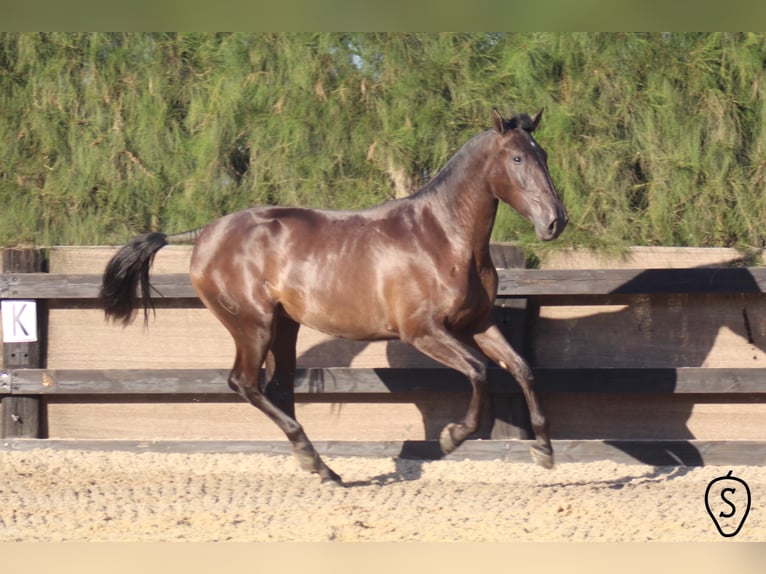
<point x="542" y="456"/>
<point x="538" y="421"/>
<point x="307" y="461"/>
<point x="234" y="386"/>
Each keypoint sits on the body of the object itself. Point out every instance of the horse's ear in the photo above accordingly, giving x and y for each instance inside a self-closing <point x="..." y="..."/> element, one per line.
<point x="497" y="121"/>
<point x="536" y="119"/>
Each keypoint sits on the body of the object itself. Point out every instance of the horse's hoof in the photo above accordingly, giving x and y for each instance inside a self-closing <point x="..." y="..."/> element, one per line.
<point x="544" y="459"/>
<point x="328" y="475"/>
<point x="315" y="465"/>
<point x="446" y="441"/>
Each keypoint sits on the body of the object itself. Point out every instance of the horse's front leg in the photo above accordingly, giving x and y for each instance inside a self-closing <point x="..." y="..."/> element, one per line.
<point x="493" y="344"/>
<point x="442" y="346"/>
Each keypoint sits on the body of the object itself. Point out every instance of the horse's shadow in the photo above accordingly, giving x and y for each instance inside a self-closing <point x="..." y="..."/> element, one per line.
<point x="405" y="470"/>
<point x="662" y="331"/>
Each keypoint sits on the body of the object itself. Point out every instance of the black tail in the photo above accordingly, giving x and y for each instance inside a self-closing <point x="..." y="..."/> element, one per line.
<point x="129" y="267"/>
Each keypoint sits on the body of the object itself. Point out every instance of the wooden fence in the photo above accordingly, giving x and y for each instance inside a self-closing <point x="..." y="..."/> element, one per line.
<point x="619" y="378"/>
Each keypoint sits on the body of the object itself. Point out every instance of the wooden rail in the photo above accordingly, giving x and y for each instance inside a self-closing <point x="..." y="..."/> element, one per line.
<point x="512" y="283"/>
<point x="388" y="380"/>
<point x="550" y="286"/>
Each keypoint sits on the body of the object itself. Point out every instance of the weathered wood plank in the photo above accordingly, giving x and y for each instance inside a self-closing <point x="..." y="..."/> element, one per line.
<point x="118" y="382"/>
<point x="76" y="286"/>
<point x="647" y="257"/>
<point x="721" y="331"/>
<point x="22" y="417"/>
<point x="512" y="283"/>
<point x="585" y="282"/>
<point x="213" y="381"/>
<point x="344" y="380"/>
<point x="682" y="380"/>
<point x="656" y="453"/>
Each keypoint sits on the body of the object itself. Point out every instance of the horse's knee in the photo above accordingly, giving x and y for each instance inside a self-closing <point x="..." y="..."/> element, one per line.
<point x="234" y="380"/>
<point x="520" y="370"/>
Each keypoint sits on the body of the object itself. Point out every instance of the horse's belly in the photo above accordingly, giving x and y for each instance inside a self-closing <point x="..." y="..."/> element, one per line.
<point x="338" y="315"/>
<point x="363" y="328"/>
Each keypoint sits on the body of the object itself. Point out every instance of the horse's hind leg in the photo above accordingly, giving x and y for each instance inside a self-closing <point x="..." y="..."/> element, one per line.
<point x="280" y="365"/>
<point x="252" y="346"/>
<point x="494" y="345"/>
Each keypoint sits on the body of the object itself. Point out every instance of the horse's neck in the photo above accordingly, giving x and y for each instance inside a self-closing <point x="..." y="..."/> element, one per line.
<point x="460" y="193"/>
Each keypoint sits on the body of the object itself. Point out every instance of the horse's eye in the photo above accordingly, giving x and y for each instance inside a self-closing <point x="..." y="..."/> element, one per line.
<point x="517" y="159"/>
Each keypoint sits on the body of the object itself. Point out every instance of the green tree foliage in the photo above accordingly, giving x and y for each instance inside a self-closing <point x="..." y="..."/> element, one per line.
<point x="652" y="138"/>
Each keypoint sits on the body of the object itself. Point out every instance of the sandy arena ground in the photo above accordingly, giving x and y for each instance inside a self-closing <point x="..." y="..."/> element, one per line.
<point x="48" y="495"/>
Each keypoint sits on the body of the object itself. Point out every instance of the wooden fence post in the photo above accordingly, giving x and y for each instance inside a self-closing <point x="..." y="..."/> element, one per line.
<point x="23" y="416"/>
<point x="509" y="412"/>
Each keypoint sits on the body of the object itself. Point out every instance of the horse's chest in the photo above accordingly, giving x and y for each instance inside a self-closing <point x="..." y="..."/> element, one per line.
<point x="469" y="293"/>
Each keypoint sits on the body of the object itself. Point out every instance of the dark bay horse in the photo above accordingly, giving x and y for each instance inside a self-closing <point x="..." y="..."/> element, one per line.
<point x="417" y="269"/>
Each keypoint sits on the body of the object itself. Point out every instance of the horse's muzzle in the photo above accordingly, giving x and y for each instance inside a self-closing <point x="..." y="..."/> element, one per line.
<point x="554" y="228"/>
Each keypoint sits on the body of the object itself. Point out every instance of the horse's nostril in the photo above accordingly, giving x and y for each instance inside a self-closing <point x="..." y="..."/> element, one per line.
<point x="557" y="226"/>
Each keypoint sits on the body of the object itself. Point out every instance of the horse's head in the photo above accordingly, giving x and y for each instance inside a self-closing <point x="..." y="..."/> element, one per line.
<point x="519" y="175"/>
